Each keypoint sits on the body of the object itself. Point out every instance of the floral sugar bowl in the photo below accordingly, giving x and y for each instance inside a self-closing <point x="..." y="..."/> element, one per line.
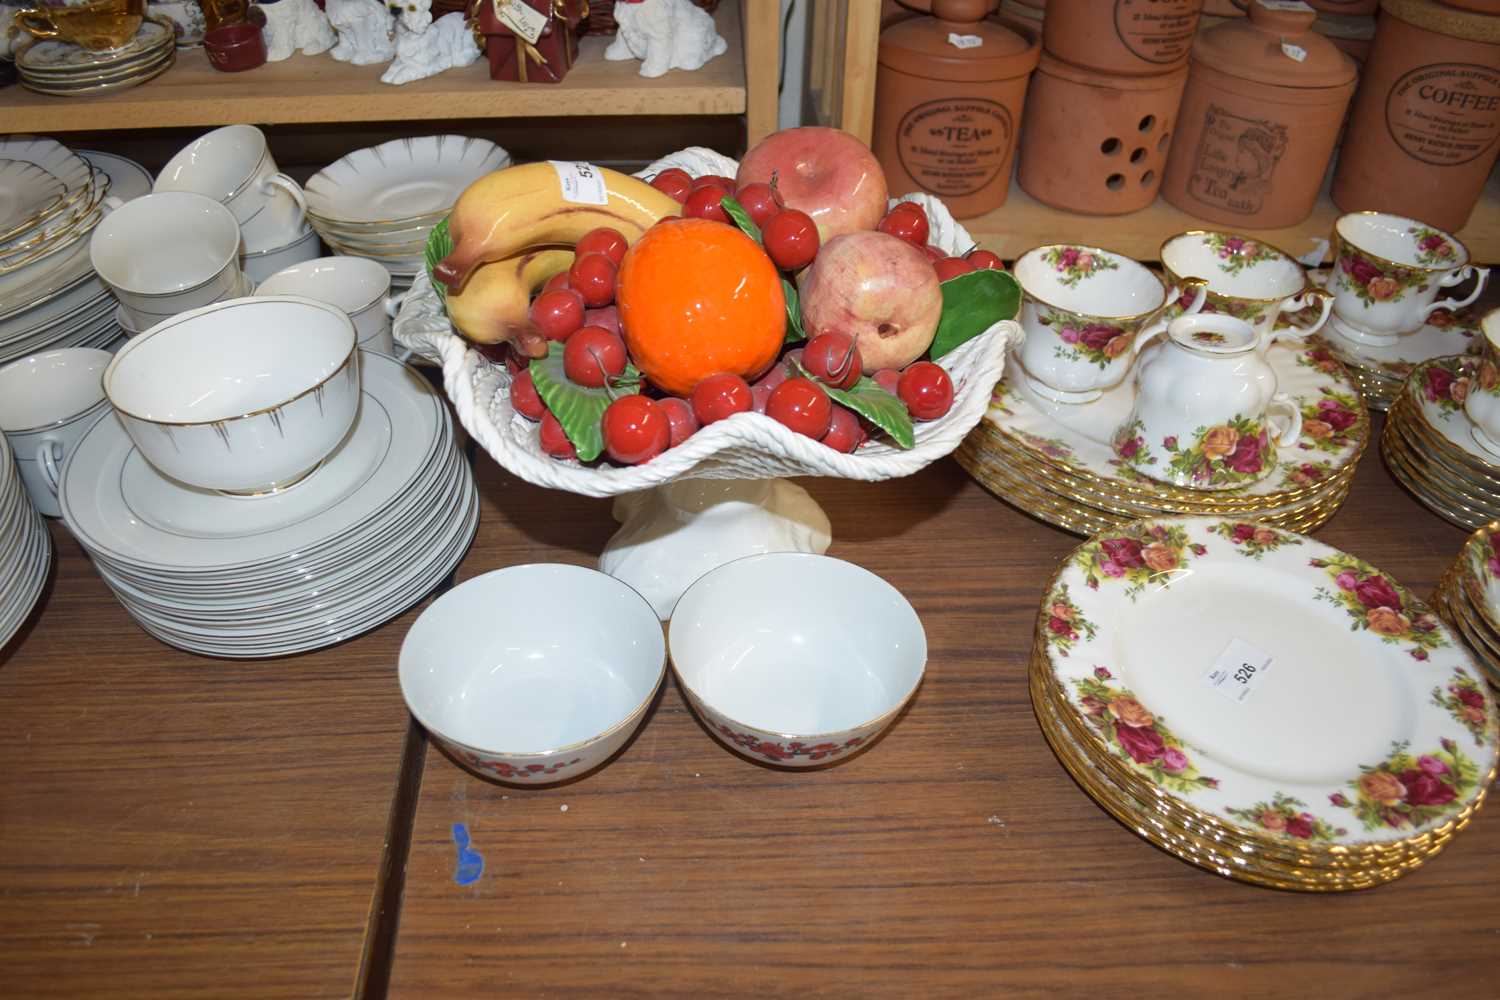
<point x="1203" y="408"/>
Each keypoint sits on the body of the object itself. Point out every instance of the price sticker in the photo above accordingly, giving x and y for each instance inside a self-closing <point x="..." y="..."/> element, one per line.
<point x="1238" y="670"/>
<point x="1296" y="52"/>
<point x="964" y="41"/>
<point x="526" y="22"/>
<point x="582" y="184"/>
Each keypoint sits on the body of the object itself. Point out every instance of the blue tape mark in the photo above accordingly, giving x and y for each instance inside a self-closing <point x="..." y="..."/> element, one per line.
<point x="470" y="862"/>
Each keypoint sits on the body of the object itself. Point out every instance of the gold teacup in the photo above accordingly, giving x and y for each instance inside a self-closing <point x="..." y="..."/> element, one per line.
<point x="97" y="26"/>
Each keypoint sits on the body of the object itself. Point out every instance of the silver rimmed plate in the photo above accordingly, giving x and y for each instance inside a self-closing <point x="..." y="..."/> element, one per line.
<point x="401" y="179"/>
<point x="64" y="58"/>
<point x="128" y="180"/>
<point x="1235" y="672"/>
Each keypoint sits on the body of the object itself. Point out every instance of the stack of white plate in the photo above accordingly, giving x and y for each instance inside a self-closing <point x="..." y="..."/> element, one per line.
<point x="382" y="521"/>
<point x="381" y="202"/>
<point x="25" y="549"/>
<point x="68" y="70"/>
<point x="50" y="296"/>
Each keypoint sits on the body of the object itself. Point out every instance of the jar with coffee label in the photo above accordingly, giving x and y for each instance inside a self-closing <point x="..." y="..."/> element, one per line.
<point x="1264" y="101"/>
<point x="948" y="101"/>
<point x="1129" y="37"/>
<point x="1425" y="130"/>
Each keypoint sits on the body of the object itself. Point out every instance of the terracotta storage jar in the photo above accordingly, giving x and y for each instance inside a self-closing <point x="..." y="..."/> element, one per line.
<point x="1334" y="6"/>
<point x="1223" y="8"/>
<point x="1135" y="37"/>
<point x="1259" y="118"/>
<point x="1016" y="10"/>
<point x="948" y="101"/>
<point x="1425" y="129"/>
<point x="1096" y="143"/>
<point x="1479" y="6"/>
<point x="1354" y="35"/>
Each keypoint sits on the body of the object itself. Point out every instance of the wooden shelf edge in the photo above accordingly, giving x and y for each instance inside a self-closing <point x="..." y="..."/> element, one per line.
<point x="1023" y="222"/>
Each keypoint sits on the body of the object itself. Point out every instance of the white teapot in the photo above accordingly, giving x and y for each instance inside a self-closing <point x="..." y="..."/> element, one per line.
<point x="1203" y="409"/>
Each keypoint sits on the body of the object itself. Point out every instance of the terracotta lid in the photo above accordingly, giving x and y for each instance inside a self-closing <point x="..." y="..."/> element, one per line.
<point x="1053" y="66"/>
<point x="1445" y="20"/>
<point x="959" y="44"/>
<point x="1275" y="45"/>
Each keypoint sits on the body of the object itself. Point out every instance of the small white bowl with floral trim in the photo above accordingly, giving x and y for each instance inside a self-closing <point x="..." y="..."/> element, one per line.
<point x="796" y="659"/>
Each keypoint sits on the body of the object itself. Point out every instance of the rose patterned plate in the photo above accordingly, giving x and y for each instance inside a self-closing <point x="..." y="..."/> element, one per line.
<point x="1479" y="572"/>
<point x="1446" y="332"/>
<point x="1436" y="390"/>
<point x="1076" y="439"/>
<point x="1232" y="669"/>
<point x="1206" y="847"/>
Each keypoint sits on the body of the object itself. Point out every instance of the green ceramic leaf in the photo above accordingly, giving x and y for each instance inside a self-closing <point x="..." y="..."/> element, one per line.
<point x="794" y="331"/>
<point x="577" y="408"/>
<point x="439" y="245"/>
<point x="972" y="303"/>
<point x="741" y="218"/>
<point x="879" y="407"/>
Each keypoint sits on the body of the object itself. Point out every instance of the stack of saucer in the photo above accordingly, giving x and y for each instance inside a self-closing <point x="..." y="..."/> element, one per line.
<point x="371" y="531"/>
<point x="1391" y="305"/>
<point x="1315" y="727"/>
<point x="49" y="294"/>
<point x="1056" y="461"/>
<point x="381" y="202"/>
<point x="1468" y="599"/>
<point x="68" y="70"/>
<point x="1432" y="447"/>
<point x="25" y="549"/>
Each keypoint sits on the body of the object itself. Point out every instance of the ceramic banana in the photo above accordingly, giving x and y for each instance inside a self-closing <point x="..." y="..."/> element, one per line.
<point x="494" y="305"/>
<point x="509" y="210"/>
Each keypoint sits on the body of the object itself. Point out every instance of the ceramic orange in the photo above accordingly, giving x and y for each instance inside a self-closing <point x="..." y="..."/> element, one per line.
<point x="698" y="297"/>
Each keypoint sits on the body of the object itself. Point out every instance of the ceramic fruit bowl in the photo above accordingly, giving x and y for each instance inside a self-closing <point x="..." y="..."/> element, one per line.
<point x="243" y="396"/>
<point x="787" y="681"/>
<point x="526" y="698"/>
<point x="680" y="518"/>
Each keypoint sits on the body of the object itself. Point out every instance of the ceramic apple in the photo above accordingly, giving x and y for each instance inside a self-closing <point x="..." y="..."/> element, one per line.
<point x="879" y="288"/>
<point x="825" y="172"/>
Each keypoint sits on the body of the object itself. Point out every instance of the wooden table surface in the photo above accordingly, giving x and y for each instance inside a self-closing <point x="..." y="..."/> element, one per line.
<point x="173" y="826"/>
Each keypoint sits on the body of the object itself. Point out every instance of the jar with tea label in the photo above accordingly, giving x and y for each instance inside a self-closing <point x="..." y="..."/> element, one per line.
<point x="948" y="102"/>
<point x="1425" y="130"/>
<point x="1264" y="101"/>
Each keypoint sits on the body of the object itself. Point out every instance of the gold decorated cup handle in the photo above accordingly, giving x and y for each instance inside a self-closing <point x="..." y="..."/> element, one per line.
<point x="1307" y="298"/>
<point x="36" y="23"/>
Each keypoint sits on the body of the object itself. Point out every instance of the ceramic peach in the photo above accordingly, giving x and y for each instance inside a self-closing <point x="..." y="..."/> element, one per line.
<point x="784" y="679"/>
<point x="825" y="172"/>
<point x="878" y="288"/>
<point x="1247" y="279"/>
<point x="245" y="396"/>
<point x="1087" y="312"/>
<point x="531" y="698"/>
<point x="1387" y="273"/>
<point x="1203" y="409"/>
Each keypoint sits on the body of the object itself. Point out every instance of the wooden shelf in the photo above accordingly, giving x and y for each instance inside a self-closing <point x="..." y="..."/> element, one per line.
<point x="1023" y="222"/>
<point x="306" y="89"/>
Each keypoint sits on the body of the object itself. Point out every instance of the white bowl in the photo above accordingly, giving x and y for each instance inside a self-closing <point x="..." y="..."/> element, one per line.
<point x="167" y="253"/>
<point x="533" y="674"/>
<point x="243" y="396"/>
<point x="796" y="659"/>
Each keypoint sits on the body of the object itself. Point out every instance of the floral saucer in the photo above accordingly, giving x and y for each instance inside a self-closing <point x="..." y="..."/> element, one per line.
<point x="1436" y="392"/>
<point x="1079" y="440"/>
<point x="1245" y="725"/>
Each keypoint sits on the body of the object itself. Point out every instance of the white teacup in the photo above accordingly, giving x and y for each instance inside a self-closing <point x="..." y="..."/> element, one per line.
<point x="1247" y="279"/>
<point x="1482" y="404"/>
<point x="163" y="254"/>
<point x="1387" y="272"/>
<point x="233" y="165"/>
<point x="359" y="286"/>
<point x="1204" y="408"/>
<point x="262" y="264"/>
<point x="47" y="401"/>
<point x="1087" y="312"/>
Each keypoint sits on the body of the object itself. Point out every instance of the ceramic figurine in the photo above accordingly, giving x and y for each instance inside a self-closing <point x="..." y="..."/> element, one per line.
<point x="666" y="34"/>
<point x="366" y="31"/>
<point x="425" y="47"/>
<point x="295" y="26"/>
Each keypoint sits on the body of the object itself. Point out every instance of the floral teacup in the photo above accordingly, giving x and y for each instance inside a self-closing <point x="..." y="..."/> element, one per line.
<point x="1387" y="272"/>
<point x="1482" y="398"/>
<point x="1247" y="279"/>
<point x="1086" y="313"/>
<point x="1203" y="408"/>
